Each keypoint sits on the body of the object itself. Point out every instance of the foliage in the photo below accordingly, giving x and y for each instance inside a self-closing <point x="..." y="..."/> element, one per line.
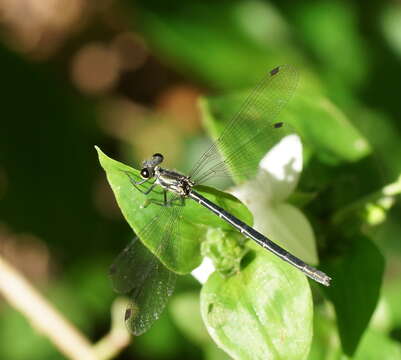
<point x="56" y="207"/>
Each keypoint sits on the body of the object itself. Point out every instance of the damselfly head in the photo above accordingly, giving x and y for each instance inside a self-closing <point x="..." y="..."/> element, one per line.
<point x="148" y="166"/>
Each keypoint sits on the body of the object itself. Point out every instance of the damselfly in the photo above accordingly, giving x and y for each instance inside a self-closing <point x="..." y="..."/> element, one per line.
<point x="237" y="152"/>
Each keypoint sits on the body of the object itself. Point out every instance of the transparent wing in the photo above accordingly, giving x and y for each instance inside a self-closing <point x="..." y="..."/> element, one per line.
<point x="152" y="220"/>
<point x="251" y="132"/>
<point x="139" y="274"/>
<point x="149" y="282"/>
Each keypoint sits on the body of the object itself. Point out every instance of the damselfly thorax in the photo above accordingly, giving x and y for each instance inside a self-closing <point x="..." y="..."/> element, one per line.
<point x="173" y="181"/>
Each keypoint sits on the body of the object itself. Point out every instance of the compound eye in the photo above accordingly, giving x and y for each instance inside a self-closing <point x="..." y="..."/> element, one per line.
<point x="158" y="157"/>
<point x="145" y="173"/>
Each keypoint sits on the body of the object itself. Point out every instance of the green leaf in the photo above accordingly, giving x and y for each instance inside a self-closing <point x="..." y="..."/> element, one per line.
<point x="383" y="134"/>
<point x="392" y="296"/>
<point x="263" y="312"/>
<point x="339" y="33"/>
<point x="291" y="229"/>
<point x="162" y="341"/>
<point x="225" y="51"/>
<point x="186" y="306"/>
<point x="326" y="344"/>
<point x="391" y="26"/>
<point x="355" y="289"/>
<point x="376" y="345"/>
<point x="185" y="256"/>
<point x="323" y="126"/>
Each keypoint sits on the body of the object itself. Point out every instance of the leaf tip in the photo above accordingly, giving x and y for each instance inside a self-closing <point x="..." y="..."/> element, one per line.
<point x="98" y="150"/>
<point x="101" y="155"/>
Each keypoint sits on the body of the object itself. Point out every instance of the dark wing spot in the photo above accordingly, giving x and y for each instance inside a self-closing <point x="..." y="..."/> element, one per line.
<point x="127" y="314"/>
<point x="278" y="125"/>
<point x="275" y="71"/>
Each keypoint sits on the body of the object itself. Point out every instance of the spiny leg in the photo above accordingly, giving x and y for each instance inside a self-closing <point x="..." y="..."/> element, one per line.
<point x="165" y="202"/>
<point x="136" y="183"/>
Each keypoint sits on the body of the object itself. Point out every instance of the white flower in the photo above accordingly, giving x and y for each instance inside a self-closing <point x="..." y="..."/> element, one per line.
<point x="265" y="197"/>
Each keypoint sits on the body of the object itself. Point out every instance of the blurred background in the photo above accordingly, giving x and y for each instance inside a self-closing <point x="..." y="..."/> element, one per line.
<point x="125" y="74"/>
